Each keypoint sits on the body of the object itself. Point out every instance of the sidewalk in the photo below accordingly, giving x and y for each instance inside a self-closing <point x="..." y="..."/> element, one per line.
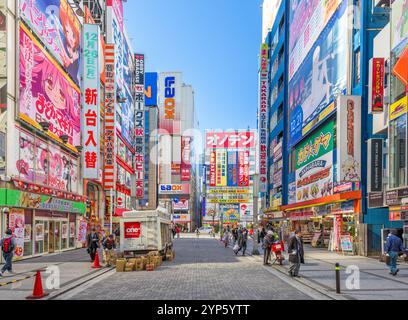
<point x="72" y="266"/>
<point x="319" y="272"/>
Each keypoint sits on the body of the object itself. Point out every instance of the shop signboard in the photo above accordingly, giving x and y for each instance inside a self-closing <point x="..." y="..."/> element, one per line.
<point x="174" y="189"/>
<point x="91" y="104"/>
<point x="349" y="139"/>
<point x="398" y="108"/>
<point x="318" y="73"/>
<point x="375" y="148"/>
<point x="39" y="232"/>
<point x="177" y="218"/>
<point x="213" y="169"/>
<point x="399" y="22"/>
<point x="346" y="243"/>
<point x="55" y="23"/>
<point x="221" y="172"/>
<point x="376" y="200"/>
<point x="228" y="190"/>
<point x="292" y="192"/>
<point x="314" y="165"/>
<point x="72" y="229"/>
<point x="17" y="226"/>
<point x="169" y="102"/>
<point x="151" y="89"/>
<point x="228" y="201"/>
<point x="243" y="168"/>
<point x="232" y="168"/>
<point x="376" y="85"/>
<point x="41" y="100"/>
<point x="230" y="212"/>
<point x="182" y="204"/>
<point x="263" y="117"/>
<point x="82" y="230"/>
<point x="185" y="158"/>
<point x="307" y="20"/>
<point x="110" y="119"/>
<point x="299" y="215"/>
<point x="246" y="211"/>
<point x="230" y="140"/>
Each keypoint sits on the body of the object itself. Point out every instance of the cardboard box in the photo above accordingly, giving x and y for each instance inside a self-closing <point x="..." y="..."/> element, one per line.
<point x="120" y="265"/>
<point x="129" y="267"/>
<point x="139" y="267"/>
<point x="150" y="267"/>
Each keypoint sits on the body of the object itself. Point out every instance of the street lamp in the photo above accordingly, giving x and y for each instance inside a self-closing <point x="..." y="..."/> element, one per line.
<point x="255" y="250"/>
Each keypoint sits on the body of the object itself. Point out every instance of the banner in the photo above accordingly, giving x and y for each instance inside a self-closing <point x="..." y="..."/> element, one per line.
<point x="151" y="89"/>
<point x="230" y="213"/>
<point x="110" y="119"/>
<point x="182" y="204"/>
<point x="263" y="118"/>
<point x="221" y="168"/>
<point x="376" y="163"/>
<point x="213" y="169"/>
<point x="320" y="78"/>
<point x="91" y="83"/>
<point x="3" y="84"/>
<point x="314" y="165"/>
<point x="232" y="168"/>
<point x="55" y="23"/>
<point x="174" y="189"/>
<point x="47" y="94"/>
<point x="349" y="139"/>
<point x="230" y="140"/>
<point x="243" y="169"/>
<point x="185" y="158"/>
<point x="169" y="102"/>
<point x="376" y="85"/>
<point x="17" y="226"/>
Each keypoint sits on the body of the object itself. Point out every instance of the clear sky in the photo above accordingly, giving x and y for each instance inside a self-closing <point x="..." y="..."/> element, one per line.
<point x="215" y="43"/>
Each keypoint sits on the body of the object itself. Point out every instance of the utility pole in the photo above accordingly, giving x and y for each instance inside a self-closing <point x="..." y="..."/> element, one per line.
<point x="255" y="250"/>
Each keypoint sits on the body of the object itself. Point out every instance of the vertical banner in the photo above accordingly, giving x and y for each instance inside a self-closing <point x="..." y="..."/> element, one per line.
<point x="376" y="85"/>
<point x="17" y="226"/>
<point x="91" y="101"/>
<point x="243" y="168"/>
<point x="375" y="161"/>
<point x="3" y="83"/>
<point x="185" y="159"/>
<point x="232" y="169"/>
<point x="139" y="86"/>
<point x="222" y="168"/>
<point x="110" y="131"/>
<point x="169" y="103"/>
<point x="349" y="139"/>
<point x="213" y="169"/>
<point x="263" y="118"/>
<point x="151" y="89"/>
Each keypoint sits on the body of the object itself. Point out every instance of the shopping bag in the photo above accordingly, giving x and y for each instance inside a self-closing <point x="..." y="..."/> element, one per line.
<point x="236" y="248"/>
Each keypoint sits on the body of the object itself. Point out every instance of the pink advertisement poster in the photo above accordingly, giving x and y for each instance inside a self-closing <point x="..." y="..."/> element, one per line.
<point x="46" y="92"/>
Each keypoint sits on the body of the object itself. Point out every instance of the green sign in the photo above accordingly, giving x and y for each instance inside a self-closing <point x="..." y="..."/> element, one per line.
<point x="21" y="199"/>
<point x="315" y="146"/>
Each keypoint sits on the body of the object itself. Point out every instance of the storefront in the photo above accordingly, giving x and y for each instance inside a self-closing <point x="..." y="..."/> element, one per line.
<point x="329" y="222"/>
<point x="41" y="223"/>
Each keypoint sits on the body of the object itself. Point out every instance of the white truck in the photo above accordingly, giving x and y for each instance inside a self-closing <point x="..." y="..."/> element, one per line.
<point x="144" y="231"/>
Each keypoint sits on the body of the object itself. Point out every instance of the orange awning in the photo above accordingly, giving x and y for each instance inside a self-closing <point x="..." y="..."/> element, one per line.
<point x="339" y="197"/>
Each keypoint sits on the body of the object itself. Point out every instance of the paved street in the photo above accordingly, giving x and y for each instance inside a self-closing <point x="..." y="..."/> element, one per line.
<point x="203" y="269"/>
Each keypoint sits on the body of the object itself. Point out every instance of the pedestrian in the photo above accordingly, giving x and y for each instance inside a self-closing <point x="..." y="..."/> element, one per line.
<point x="8" y="245"/>
<point x="198" y="232"/>
<point x="392" y="249"/>
<point x="226" y="238"/>
<point x="235" y="235"/>
<point x="262" y="235"/>
<point x="242" y="241"/>
<point x="296" y="253"/>
<point x="93" y="243"/>
<point x="178" y="230"/>
<point x="109" y="247"/>
<point x="267" y="246"/>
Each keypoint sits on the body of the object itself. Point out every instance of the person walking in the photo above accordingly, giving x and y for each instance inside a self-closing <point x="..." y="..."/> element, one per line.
<point x="392" y="248"/>
<point x="198" y="233"/>
<point x="296" y="253"/>
<point x="8" y="245"/>
<point x="93" y="243"/>
<point x="242" y="241"/>
<point x="109" y="247"/>
<point x="235" y="235"/>
<point x="262" y="235"/>
<point x="226" y="238"/>
<point x="178" y="230"/>
<point x="267" y="246"/>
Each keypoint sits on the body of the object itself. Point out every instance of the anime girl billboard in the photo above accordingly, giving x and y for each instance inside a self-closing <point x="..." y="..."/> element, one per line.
<point x="56" y="24"/>
<point x="46" y="93"/>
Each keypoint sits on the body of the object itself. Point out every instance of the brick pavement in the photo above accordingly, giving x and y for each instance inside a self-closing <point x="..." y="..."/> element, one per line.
<point x="202" y="270"/>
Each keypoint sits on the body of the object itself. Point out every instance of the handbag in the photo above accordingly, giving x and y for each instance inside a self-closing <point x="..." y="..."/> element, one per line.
<point x="236" y="247"/>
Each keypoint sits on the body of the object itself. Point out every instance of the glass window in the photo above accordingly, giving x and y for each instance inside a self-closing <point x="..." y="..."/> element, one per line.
<point x="398" y="143"/>
<point x="39" y="237"/>
<point x="57" y="236"/>
<point x="46" y="235"/>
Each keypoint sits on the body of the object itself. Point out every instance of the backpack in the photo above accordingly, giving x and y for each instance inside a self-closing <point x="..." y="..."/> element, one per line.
<point x="7" y="245"/>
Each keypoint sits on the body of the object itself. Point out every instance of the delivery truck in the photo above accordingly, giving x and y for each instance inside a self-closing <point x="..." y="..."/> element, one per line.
<point x="145" y="231"/>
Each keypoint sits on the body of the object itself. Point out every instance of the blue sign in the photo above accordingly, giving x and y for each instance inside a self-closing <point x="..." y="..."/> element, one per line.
<point x="151" y="89"/>
<point x="232" y="169"/>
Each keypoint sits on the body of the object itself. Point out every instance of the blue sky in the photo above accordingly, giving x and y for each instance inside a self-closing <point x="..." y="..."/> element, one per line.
<point x="215" y="43"/>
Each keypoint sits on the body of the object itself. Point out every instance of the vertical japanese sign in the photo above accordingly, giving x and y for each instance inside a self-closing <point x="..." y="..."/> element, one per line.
<point x="139" y="76"/>
<point x="110" y="131"/>
<point x="222" y="168"/>
<point x="213" y="169"/>
<point x="243" y="169"/>
<point x="263" y="117"/>
<point x="185" y="158"/>
<point x="91" y="101"/>
<point x="376" y="99"/>
<point x="232" y="169"/>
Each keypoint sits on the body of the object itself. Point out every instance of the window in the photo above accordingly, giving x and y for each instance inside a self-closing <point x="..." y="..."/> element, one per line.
<point x="357" y="60"/>
<point x="398" y="142"/>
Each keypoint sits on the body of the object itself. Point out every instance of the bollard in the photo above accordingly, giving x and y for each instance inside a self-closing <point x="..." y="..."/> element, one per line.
<point x="338" y="278"/>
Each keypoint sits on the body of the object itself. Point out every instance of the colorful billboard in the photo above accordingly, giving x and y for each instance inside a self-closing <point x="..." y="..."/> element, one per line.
<point x="46" y="92"/>
<point x="174" y="189"/>
<point x="232" y="169"/>
<point x="399" y="22"/>
<point x="182" y="204"/>
<point x="320" y="78"/>
<point x="151" y="79"/>
<point x="213" y="169"/>
<point x="376" y="85"/>
<point x="230" y="140"/>
<point x="307" y="20"/>
<point x="314" y="165"/>
<point x="169" y="102"/>
<point x="185" y="158"/>
<point x="221" y="172"/>
<point x="91" y="102"/>
<point x="55" y="23"/>
<point x="230" y="213"/>
<point x="243" y="168"/>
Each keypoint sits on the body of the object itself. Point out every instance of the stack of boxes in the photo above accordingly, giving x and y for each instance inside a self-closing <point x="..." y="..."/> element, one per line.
<point x="152" y="261"/>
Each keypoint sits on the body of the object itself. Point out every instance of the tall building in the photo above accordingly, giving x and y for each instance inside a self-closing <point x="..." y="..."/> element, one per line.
<point x="317" y="81"/>
<point x="177" y="125"/>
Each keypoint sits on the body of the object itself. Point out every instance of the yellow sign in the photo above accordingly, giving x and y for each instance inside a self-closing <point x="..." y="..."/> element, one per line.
<point x="229" y="201"/>
<point x="329" y="109"/>
<point x="233" y="191"/>
<point x="399" y="108"/>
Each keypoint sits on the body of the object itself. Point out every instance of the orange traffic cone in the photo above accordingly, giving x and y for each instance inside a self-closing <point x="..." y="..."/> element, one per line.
<point x="38" y="292"/>
<point x="96" y="264"/>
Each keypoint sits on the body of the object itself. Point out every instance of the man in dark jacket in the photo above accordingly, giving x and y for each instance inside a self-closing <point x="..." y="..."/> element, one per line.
<point x="93" y="243"/>
<point x="392" y="248"/>
<point x="235" y="235"/>
<point x="296" y="253"/>
<point x="267" y="246"/>
<point x="242" y="241"/>
<point x="8" y="245"/>
<point x="109" y="247"/>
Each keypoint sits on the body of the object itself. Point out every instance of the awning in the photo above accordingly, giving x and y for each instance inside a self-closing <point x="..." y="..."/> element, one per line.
<point x="339" y="197"/>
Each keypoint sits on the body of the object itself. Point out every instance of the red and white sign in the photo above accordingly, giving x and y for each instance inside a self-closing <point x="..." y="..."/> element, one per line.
<point x="110" y="131"/>
<point x="230" y="140"/>
<point x="377" y="85"/>
<point x="213" y="169"/>
<point x="132" y="230"/>
<point x="181" y="205"/>
<point x="243" y="169"/>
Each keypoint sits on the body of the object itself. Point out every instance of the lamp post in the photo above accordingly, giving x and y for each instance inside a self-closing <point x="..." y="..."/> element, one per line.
<point x="255" y="250"/>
